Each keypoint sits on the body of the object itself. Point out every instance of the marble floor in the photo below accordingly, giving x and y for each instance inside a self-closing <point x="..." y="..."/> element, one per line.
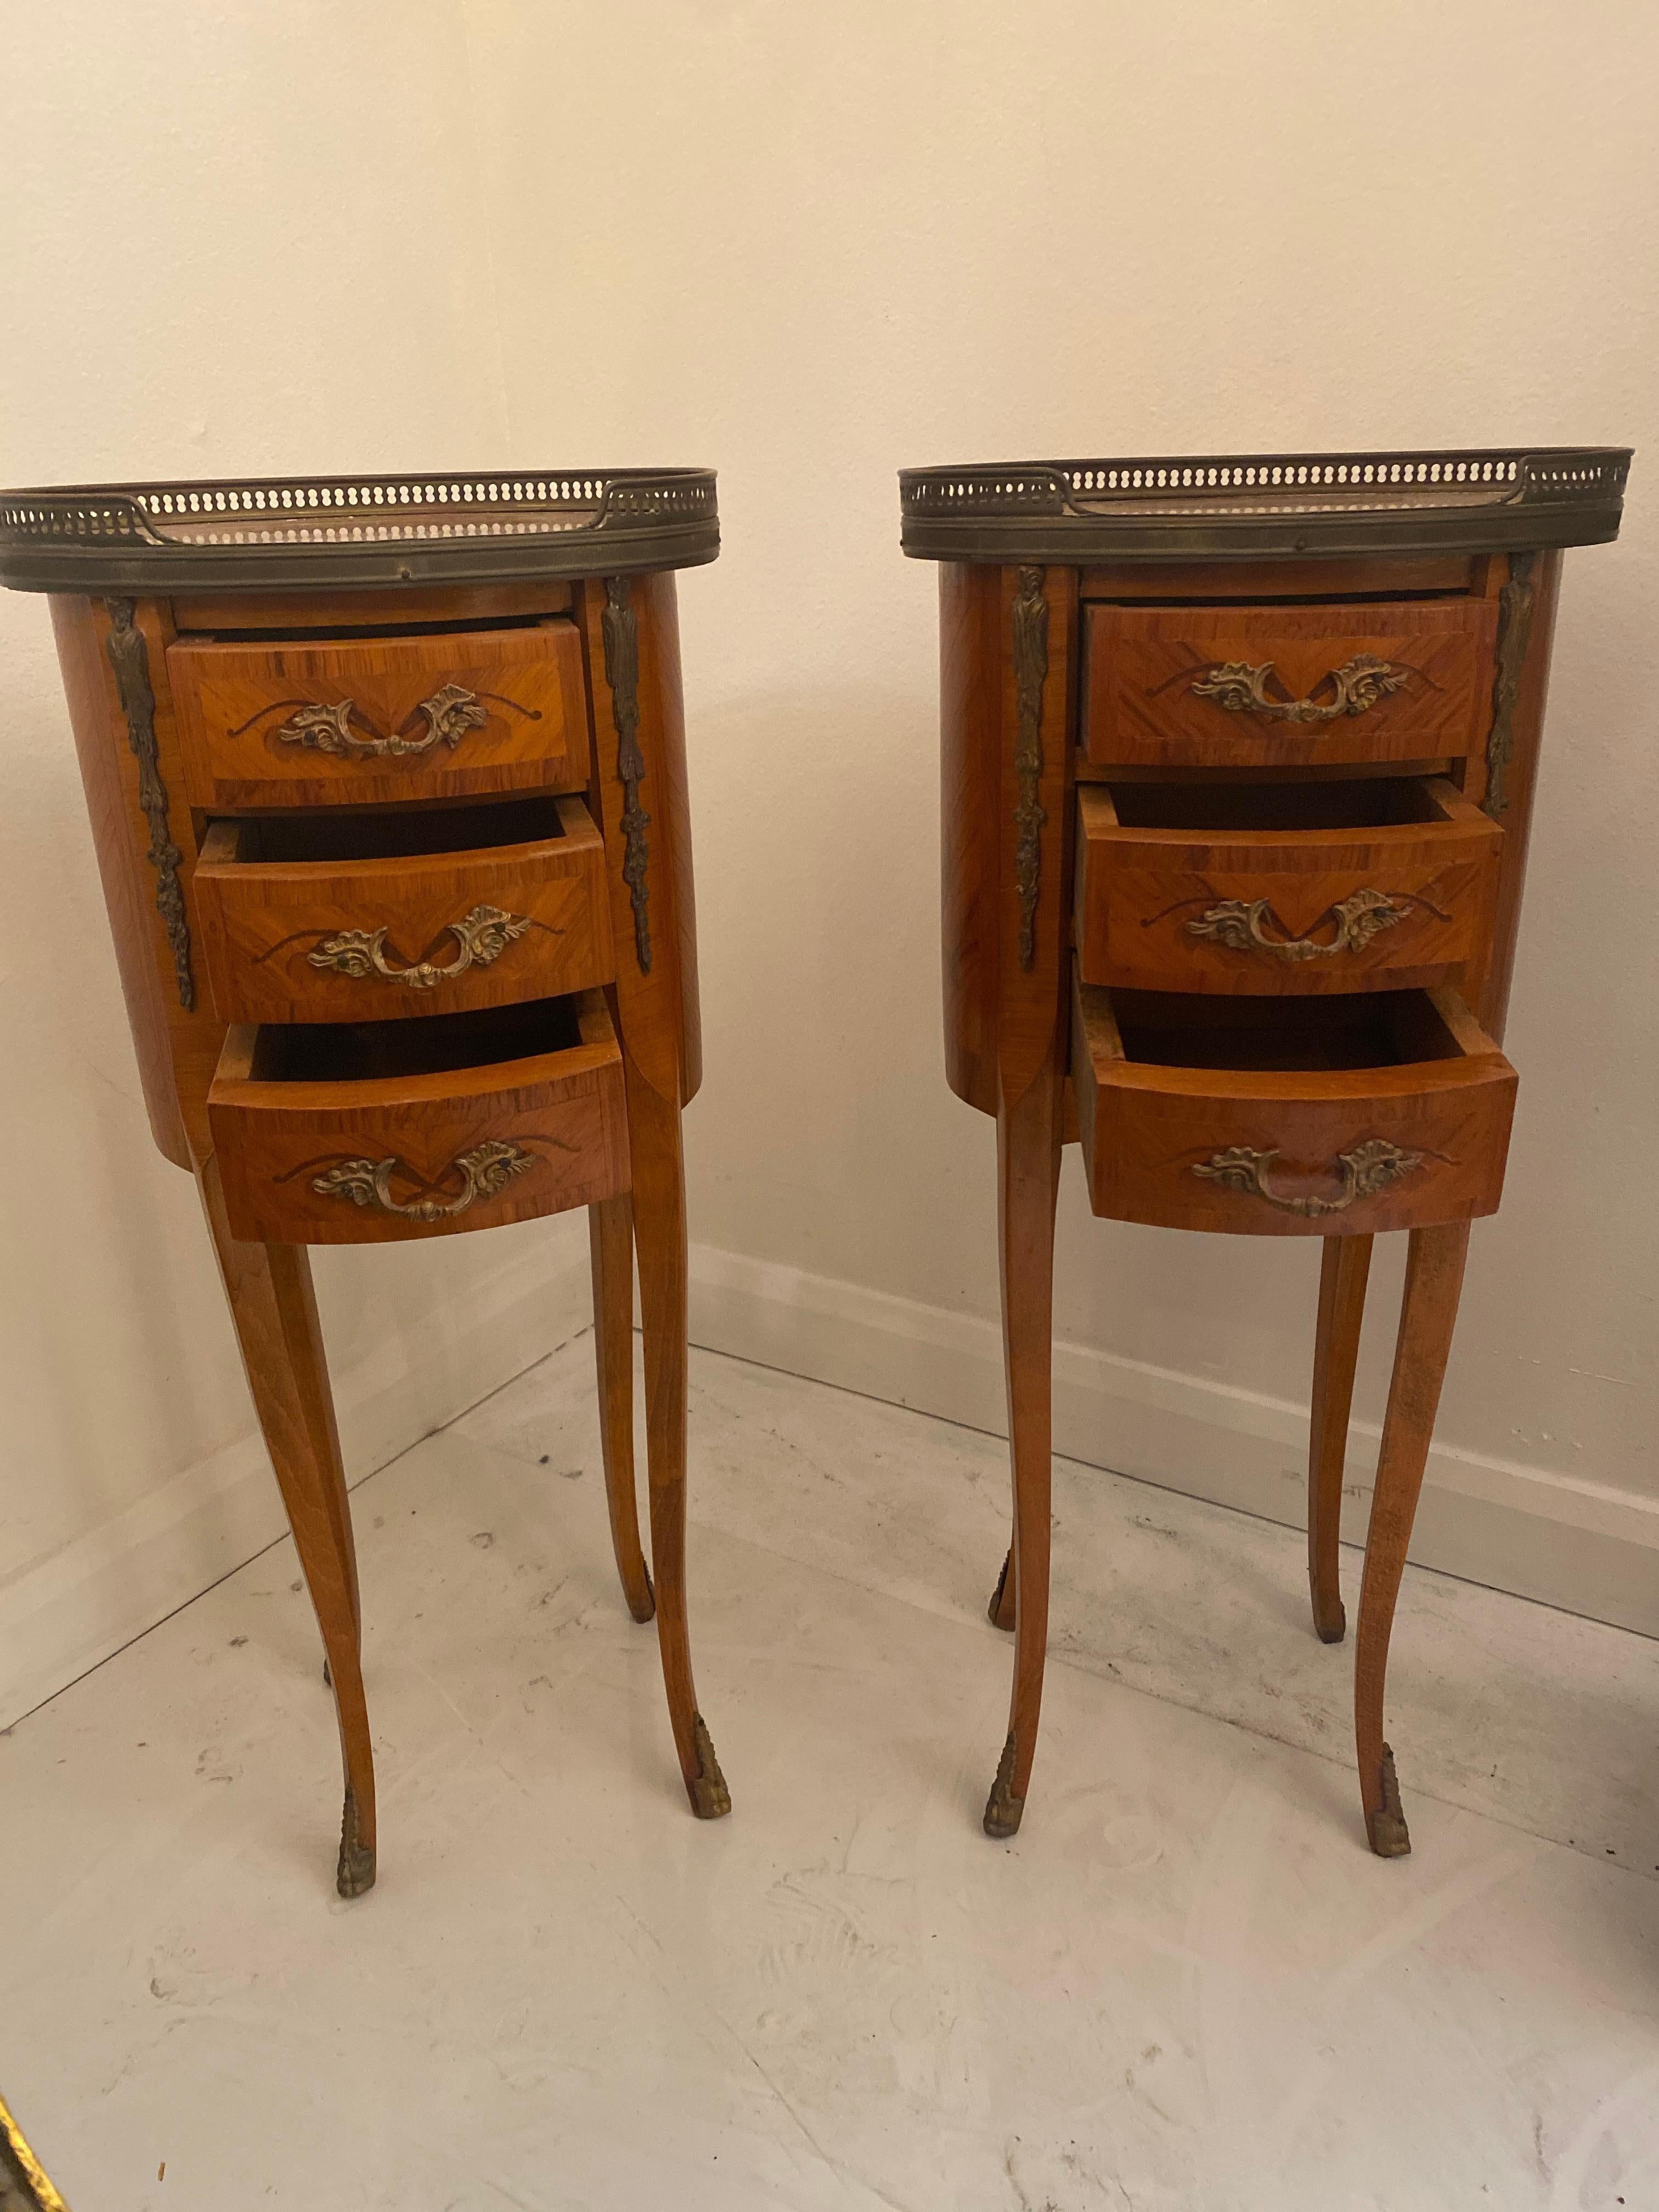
<point x="1185" y="1987"/>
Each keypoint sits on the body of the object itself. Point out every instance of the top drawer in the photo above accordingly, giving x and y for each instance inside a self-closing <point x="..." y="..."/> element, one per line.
<point x="1284" y="687"/>
<point x="375" y="721"/>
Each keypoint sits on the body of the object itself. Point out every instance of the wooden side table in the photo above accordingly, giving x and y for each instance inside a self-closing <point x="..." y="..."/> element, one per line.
<point x="1238" y="768"/>
<point x="387" y="781"/>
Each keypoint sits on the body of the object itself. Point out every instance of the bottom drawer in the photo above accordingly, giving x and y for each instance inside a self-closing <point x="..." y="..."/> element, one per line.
<point x="346" y="1133"/>
<point x="1379" y="1110"/>
<point x="351" y="916"/>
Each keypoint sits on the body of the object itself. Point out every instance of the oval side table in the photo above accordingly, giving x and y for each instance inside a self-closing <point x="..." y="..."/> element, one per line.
<point x="1239" y="758"/>
<point x="387" y="780"/>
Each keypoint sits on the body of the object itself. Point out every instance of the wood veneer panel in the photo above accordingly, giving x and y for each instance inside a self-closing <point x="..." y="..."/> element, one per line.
<point x="118" y="832"/>
<point x="1540" y="582"/>
<point x="176" y="1033"/>
<point x="970" y="846"/>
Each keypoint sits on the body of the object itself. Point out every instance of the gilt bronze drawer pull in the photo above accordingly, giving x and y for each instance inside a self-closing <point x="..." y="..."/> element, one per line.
<point x="1359" y="684"/>
<point x="449" y="713"/>
<point x="485" y="1169"/>
<point x="1368" y="1168"/>
<point x="1241" y="925"/>
<point x="482" y="936"/>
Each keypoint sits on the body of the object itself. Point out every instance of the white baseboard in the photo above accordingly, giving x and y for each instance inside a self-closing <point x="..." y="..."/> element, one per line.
<point x="86" y="1602"/>
<point x="1576" y="1544"/>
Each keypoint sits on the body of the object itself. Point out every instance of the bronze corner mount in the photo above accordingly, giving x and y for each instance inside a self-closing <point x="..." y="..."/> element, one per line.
<point x="128" y="657"/>
<point x="620" y="627"/>
<point x="1030" y="621"/>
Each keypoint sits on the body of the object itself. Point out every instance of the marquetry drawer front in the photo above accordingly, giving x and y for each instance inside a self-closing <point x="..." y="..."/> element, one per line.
<point x="1309" y="1117"/>
<point x="331" y="1134"/>
<point x="1334" y="885"/>
<point x="374" y="720"/>
<point x="349" y="917"/>
<point x="1282" y="687"/>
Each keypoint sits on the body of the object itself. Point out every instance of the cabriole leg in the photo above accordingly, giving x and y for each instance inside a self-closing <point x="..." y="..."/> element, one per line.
<point x="611" y="1243"/>
<point x="275" y="1310"/>
<point x="1343" y="1269"/>
<point x="1027" y="1181"/>
<point x="654" y="1132"/>
<point x="1434" y="1277"/>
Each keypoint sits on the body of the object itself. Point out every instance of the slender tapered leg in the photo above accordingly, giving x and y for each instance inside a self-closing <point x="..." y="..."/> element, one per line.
<point x="611" y="1243"/>
<point x="1028" y="1182"/>
<point x="1434" y="1276"/>
<point x="275" y="1310"/>
<point x="653" y="1135"/>
<point x="1343" y="1269"/>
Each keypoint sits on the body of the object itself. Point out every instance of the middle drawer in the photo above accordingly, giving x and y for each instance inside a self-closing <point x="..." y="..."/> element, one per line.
<point x="352" y="917"/>
<point x="1265" y="889"/>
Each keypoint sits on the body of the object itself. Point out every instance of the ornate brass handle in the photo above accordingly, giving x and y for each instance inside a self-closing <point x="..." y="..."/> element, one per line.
<point x="485" y="1169"/>
<point x="482" y="936"/>
<point x="1359" y="684"/>
<point x="449" y="713"/>
<point x="1368" y="1168"/>
<point x="1241" y="925"/>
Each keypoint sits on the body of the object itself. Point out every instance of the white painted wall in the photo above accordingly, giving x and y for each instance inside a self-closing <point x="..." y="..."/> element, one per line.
<point x="809" y="246"/>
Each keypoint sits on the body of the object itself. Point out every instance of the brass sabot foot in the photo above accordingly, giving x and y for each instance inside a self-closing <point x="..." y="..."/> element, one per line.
<point x="1391" y="1838"/>
<point x="710" y="1798"/>
<point x="1003" y="1810"/>
<point x="355" y="1873"/>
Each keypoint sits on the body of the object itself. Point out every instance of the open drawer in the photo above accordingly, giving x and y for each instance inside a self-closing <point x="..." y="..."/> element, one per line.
<point x="1302" y="1116"/>
<point x="349" y="916"/>
<point x="358" y="1133"/>
<point x="1338" y="884"/>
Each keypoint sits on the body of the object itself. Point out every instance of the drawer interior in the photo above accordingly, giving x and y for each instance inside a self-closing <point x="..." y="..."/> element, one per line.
<point x="214" y="621"/>
<point x="337" y="834"/>
<point x="1328" y="803"/>
<point x="1360" y="1030"/>
<point x="359" y="1052"/>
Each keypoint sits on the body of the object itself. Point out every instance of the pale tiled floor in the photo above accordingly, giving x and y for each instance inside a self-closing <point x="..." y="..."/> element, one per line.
<point x="1186" y="1987"/>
